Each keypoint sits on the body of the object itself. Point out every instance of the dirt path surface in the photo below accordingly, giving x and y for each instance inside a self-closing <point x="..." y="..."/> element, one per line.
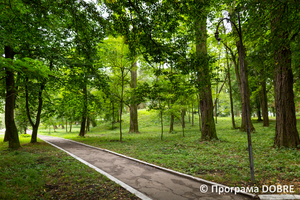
<point x="154" y="183"/>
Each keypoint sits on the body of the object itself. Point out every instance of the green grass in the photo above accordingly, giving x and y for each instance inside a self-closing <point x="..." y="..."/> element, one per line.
<point x="40" y="171"/>
<point x="224" y="161"/>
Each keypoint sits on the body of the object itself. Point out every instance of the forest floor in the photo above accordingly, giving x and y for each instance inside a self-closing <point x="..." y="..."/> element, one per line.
<point x="40" y="171"/>
<point x="223" y="161"/>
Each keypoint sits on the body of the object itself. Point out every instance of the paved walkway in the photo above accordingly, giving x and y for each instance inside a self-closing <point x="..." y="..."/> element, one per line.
<point x="151" y="181"/>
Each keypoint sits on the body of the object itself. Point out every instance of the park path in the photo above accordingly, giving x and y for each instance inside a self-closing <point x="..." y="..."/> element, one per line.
<point x="151" y="181"/>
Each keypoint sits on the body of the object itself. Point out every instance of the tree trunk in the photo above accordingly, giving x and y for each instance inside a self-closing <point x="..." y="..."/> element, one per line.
<point x="171" y="123"/>
<point x="84" y="113"/>
<point x="34" y="134"/>
<point x="230" y="92"/>
<point x="113" y="115"/>
<point x="199" y="114"/>
<point x="88" y="122"/>
<point x="286" y="133"/>
<point x="192" y="114"/>
<point x="208" y="131"/>
<point x="70" y="126"/>
<point x="133" y="128"/>
<point x="182" y="120"/>
<point x="258" y="110"/>
<point x="66" y="125"/>
<point x="11" y="133"/>
<point x="216" y="100"/>
<point x="162" y="125"/>
<point x="264" y="103"/>
<point x="54" y="127"/>
<point x="245" y="99"/>
<point x="38" y="116"/>
<point x="121" y="103"/>
<point x="82" y="126"/>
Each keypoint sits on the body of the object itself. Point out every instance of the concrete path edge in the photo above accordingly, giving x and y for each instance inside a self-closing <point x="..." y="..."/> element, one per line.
<point x="165" y="169"/>
<point x="122" y="184"/>
<point x="263" y="196"/>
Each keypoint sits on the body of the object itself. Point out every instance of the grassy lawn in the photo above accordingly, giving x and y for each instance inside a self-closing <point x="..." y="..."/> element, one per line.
<point x="41" y="171"/>
<point x="224" y="161"/>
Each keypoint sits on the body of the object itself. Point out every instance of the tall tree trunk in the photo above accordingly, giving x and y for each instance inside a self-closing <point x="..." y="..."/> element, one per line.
<point x="216" y="104"/>
<point x="121" y="103"/>
<point x="245" y="102"/>
<point x="88" y="122"/>
<point x="208" y="131"/>
<point x="84" y="113"/>
<point x="66" y="125"/>
<point x="38" y="116"/>
<point x="113" y="115"/>
<point x="192" y="114"/>
<point x="230" y="91"/>
<point x="133" y="128"/>
<point x="11" y="133"/>
<point x="171" y="123"/>
<point x="241" y="86"/>
<point x="183" y="111"/>
<point x="82" y="126"/>
<point x="162" y="125"/>
<point x="286" y="133"/>
<point x="258" y="110"/>
<point x="264" y="103"/>
<point x="199" y="114"/>
<point x="70" y="126"/>
<point x="172" y="118"/>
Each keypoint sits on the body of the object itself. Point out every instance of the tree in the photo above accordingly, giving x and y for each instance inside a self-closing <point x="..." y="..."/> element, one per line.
<point x="279" y="33"/>
<point x="133" y="128"/>
<point x="115" y="55"/>
<point x="208" y="131"/>
<point x="286" y="133"/>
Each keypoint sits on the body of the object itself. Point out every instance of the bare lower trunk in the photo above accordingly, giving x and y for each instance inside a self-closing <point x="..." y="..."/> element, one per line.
<point x="192" y="114"/>
<point x="82" y="126"/>
<point x="133" y="119"/>
<point x="70" y="126"/>
<point x="88" y="122"/>
<point x="11" y="133"/>
<point x="182" y="121"/>
<point x="230" y="92"/>
<point x="208" y="131"/>
<point x="171" y="123"/>
<point x="162" y="125"/>
<point x="264" y="103"/>
<point x="245" y="99"/>
<point x="133" y="128"/>
<point x="84" y="113"/>
<point x="34" y="134"/>
<point x="258" y="113"/>
<point x="286" y="133"/>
